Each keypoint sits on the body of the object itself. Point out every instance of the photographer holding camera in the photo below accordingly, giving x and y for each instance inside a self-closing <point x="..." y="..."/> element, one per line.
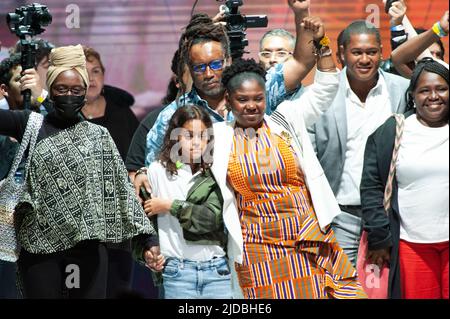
<point x="27" y="22"/>
<point x="43" y="49"/>
<point x="15" y="81"/>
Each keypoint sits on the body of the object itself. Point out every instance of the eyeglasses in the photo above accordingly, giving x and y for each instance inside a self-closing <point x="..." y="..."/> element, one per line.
<point x="64" y="90"/>
<point x="215" y="65"/>
<point x="278" y="54"/>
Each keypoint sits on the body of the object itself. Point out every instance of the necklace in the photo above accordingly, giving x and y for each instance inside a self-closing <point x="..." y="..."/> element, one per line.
<point x="95" y="110"/>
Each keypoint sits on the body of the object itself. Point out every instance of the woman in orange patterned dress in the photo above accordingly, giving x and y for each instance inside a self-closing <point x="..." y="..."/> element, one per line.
<point x="282" y="201"/>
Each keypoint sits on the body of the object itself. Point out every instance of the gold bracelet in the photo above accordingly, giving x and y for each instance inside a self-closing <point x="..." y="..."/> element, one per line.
<point x="325" y="42"/>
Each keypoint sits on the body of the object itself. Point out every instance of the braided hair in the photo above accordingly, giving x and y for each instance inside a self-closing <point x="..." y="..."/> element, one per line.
<point x="241" y="70"/>
<point x="200" y="29"/>
<point x="428" y="65"/>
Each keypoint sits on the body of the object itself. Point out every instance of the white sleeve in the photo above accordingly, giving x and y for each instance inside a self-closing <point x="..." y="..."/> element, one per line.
<point x="316" y="100"/>
<point x="152" y="174"/>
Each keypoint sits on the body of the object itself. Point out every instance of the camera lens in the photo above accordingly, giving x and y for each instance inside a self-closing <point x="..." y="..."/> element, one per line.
<point x="45" y="18"/>
<point x="29" y="20"/>
<point x="13" y="20"/>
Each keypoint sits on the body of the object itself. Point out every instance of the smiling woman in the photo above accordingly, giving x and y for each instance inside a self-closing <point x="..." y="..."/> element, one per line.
<point x="414" y="236"/>
<point x="246" y="93"/>
<point x="275" y="206"/>
<point x="431" y="98"/>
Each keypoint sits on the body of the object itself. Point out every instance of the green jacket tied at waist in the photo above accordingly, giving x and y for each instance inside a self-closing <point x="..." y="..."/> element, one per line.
<point x="200" y="216"/>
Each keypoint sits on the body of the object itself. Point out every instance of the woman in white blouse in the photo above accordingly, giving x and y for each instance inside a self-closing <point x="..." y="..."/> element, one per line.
<point x="414" y="236"/>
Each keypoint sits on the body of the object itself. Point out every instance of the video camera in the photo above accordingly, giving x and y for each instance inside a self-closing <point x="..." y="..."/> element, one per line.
<point x="237" y="23"/>
<point x="27" y="22"/>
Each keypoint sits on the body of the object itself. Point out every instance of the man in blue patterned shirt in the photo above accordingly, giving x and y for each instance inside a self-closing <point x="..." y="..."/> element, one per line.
<point x="205" y="48"/>
<point x="276" y="47"/>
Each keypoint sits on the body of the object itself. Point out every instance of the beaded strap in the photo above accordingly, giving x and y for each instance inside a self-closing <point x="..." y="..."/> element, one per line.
<point x="29" y="139"/>
<point x="438" y="30"/>
<point x="11" y="192"/>
<point x="400" y="125"/>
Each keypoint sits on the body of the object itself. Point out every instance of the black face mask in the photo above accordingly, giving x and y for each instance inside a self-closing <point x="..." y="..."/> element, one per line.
<point x="68" y="107"/>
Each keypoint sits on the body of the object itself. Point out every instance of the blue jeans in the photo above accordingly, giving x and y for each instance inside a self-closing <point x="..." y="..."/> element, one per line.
<point x="186" y="279"/>
<point x="347" y="228"/>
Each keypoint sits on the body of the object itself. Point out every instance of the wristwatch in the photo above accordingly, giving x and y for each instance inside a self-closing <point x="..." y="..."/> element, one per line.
<point x="142" y="170"/>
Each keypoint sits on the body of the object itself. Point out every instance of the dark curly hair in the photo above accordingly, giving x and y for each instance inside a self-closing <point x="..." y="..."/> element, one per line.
<point x="241" y="70"/>
<point x="428" y="65"/>
<point x="179" y="118"/>
<point x="200" y="29"/>
<point x="172" y="89"/>
<point x="7" y="66"/>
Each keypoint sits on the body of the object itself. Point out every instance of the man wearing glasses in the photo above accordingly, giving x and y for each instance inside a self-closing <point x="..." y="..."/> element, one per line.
<point x="275" y="48"/>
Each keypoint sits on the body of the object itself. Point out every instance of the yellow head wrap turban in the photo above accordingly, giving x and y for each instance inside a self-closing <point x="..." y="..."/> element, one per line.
<point x="67" y="58"/>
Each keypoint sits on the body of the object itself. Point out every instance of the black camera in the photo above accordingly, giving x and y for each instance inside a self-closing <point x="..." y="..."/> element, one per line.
<point x="237" y="24"/>
<point x="29" y="20"/>
<point x="26" y="22"/>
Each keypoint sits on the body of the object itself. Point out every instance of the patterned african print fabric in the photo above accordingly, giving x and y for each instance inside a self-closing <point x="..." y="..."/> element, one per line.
<point x="286" y="255"/>
<point x="78" y="190"/>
